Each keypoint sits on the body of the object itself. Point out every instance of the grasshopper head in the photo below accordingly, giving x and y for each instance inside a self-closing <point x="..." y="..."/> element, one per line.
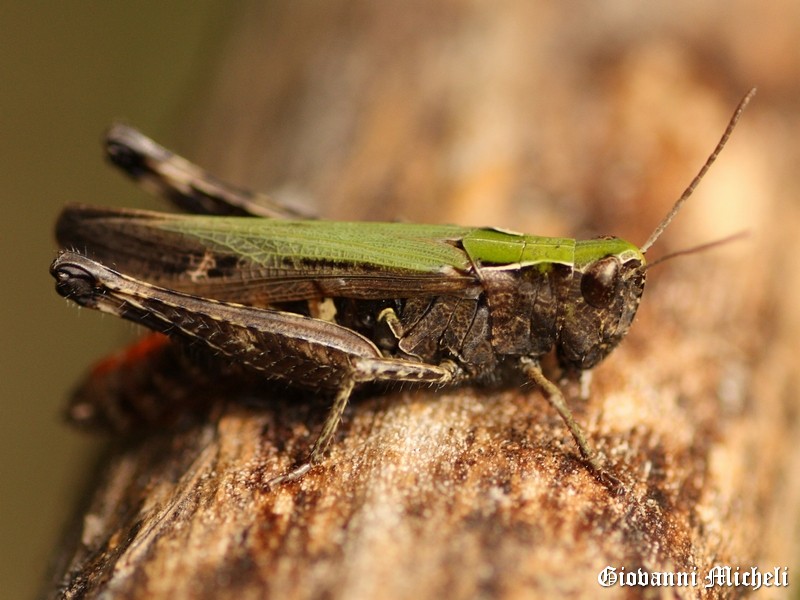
<point x="608" y="280"/>
<point x="600" y="300"/>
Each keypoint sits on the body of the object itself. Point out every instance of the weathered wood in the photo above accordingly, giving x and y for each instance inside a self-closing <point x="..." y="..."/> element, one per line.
<point x="514" y="116"/>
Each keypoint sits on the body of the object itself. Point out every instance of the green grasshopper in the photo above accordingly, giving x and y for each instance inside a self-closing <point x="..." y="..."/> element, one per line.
<point x="331" y="305"/>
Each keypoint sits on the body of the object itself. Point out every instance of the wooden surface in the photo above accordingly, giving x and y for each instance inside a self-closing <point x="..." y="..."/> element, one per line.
<point x="517" y="116"/>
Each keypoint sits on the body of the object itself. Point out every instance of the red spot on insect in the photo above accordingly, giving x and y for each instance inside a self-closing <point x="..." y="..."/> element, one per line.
<point x="138" y="352"/>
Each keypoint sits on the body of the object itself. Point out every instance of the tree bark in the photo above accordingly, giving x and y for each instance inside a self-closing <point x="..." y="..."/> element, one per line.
<point x="517" y="116"/>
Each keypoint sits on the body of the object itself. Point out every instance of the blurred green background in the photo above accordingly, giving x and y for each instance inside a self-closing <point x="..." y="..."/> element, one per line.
<point x="68" y="70"/>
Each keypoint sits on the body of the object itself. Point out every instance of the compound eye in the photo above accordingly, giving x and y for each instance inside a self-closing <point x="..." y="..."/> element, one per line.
<point x="600" y="282"/>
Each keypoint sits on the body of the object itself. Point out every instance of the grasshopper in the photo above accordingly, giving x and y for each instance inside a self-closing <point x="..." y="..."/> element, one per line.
<point x="332" y="305"/>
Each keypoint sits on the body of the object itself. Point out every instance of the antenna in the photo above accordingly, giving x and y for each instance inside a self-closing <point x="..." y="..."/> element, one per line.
<point x="710" y="161"/>
<point x="700" y="248"/>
